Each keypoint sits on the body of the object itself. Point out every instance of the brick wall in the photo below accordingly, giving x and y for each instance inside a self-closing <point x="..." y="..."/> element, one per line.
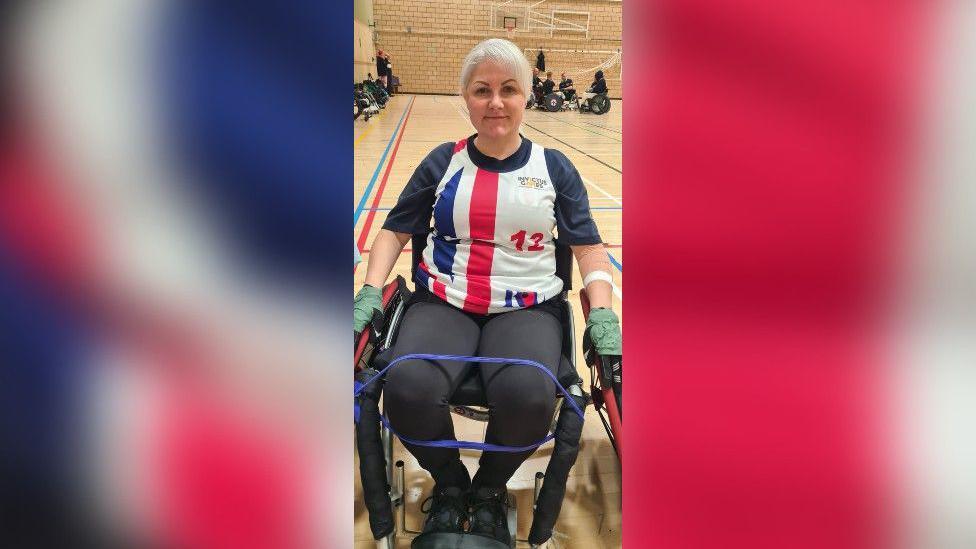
<point x="364" y="53"/>
<point x="428" y="39"/>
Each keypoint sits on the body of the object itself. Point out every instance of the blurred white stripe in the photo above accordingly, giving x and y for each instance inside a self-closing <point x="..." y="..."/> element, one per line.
<point x="939" y="388"/>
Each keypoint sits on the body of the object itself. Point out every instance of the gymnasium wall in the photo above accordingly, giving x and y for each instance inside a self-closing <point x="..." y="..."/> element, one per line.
<point x="364" y="51"/>
<point x="428" y="39"/>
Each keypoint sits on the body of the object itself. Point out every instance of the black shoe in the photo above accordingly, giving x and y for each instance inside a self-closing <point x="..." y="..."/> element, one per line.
<point x="489" y="514"/>
<point x="447" y="510"/>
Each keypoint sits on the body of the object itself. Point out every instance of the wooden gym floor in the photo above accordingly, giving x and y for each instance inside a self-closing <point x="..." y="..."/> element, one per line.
<point x="387" y="150"/>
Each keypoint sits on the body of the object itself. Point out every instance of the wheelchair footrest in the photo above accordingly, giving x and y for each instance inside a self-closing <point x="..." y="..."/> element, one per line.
<point x="444" y="540"/>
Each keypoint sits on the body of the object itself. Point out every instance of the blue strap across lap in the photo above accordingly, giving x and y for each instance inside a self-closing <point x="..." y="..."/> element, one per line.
<point x="468" y="445"/>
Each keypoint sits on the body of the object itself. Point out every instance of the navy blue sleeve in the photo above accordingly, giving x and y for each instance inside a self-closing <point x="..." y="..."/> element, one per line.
<point x="415" y="206"/>
<point x="573" y="219"/>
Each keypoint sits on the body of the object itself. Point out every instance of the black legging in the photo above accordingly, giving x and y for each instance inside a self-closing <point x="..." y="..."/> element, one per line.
<point x="521" y="399"/>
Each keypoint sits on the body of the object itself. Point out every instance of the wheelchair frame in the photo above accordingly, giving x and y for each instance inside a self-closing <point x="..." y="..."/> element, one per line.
<point x="382" y="332"/>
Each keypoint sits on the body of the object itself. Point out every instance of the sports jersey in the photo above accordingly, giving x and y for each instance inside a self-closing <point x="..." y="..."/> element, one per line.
<point x="491" y="249"/>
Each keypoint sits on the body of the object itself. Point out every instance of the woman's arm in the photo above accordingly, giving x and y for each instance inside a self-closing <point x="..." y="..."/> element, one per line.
<point x="383" y="254"/>
<point x="594" y="266"/>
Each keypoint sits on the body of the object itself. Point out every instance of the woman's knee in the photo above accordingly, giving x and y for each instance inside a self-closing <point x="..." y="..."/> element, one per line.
<point x="412" y="385"/>
<point x="413" y="408"/>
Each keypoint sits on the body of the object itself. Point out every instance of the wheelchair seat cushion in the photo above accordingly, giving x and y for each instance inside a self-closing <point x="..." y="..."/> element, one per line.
<point x="470" y="392"/>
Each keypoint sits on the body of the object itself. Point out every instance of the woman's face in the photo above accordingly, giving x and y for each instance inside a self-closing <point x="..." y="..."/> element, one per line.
<point x="496" y="101"/>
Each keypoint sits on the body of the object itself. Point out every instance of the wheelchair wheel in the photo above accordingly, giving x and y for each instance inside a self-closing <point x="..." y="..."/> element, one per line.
<point x="554" y="102"/>
<point x="600" y="104"/>
<point x="530" y="102"/>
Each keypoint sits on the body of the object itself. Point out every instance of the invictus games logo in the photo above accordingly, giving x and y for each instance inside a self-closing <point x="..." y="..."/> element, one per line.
<point x="532" y="183"/>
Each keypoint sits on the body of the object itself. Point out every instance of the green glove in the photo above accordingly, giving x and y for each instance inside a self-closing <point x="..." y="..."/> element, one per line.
<point x="604" y="329"/>
<point x="368" y="299"/>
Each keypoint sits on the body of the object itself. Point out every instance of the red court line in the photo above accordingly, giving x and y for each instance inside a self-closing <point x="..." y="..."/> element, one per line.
<point x="361" y="243"/>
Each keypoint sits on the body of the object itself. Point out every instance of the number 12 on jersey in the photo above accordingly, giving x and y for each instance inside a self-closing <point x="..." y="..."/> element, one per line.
<point x="519" y="240"/>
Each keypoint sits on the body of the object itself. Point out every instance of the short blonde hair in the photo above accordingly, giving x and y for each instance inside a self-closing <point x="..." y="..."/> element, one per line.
<point x="504" y="53"/>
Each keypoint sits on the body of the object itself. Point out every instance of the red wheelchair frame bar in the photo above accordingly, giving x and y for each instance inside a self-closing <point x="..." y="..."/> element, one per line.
<point x="603" y="391"/>
<point x="364" y="338"/>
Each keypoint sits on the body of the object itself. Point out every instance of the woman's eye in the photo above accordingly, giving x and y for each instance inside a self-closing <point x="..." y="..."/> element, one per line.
<point x="508" y="89"/>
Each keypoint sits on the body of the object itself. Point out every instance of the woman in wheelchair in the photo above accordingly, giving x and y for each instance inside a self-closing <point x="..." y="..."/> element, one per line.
<point x="486" y="286"/>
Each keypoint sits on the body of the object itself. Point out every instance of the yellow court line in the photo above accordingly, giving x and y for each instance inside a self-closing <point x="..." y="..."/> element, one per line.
<point x="362" y="135"/>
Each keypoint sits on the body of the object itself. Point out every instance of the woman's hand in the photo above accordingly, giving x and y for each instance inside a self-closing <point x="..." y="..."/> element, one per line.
<point x="604" y="328"/>
<point x="368" y="299"/>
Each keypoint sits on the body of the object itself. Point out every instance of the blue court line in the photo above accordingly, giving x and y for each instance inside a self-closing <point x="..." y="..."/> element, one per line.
<point x="376" y="172"/>
<point x="615" y="262"/>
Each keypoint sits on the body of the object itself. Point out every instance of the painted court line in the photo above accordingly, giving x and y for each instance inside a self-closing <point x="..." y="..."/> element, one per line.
<point x="372" y="180"/>
<point x="614" y="168"/>
<point x="386" y="176"/>
<point x="463" y="114"/>
<point x="605" y="193"/>
<point x="364" y="132"/>
<point x="557" y="119"/>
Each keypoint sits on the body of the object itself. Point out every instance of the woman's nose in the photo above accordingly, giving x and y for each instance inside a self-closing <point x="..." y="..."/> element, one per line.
<point x="496" y="101"/>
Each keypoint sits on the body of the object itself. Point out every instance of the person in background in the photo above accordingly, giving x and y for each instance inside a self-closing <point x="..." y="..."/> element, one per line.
<point x="598" y="86"/>
<point x="566" y="86"/>
<point x="381" y="69"/>
<point x="548" y="85"/>
<point x="389" y="74"/>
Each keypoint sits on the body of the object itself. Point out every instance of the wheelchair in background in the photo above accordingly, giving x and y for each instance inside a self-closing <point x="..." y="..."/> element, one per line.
<point x="565" y="100"/>
<point x="598" y="104"/>
<point x="364" y="104"/>
<point x="383" y="480"/>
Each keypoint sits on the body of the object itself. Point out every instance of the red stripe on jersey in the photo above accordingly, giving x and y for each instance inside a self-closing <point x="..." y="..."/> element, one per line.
<point x="440" y="290"/>
<point x="484" y="197"/>
<point x="460" y="145"/>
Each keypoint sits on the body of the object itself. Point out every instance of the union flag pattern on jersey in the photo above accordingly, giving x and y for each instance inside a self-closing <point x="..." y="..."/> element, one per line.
<point x="491" y="248"/>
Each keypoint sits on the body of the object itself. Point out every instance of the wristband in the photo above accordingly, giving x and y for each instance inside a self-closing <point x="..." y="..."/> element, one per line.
<point x="597" y="275"/>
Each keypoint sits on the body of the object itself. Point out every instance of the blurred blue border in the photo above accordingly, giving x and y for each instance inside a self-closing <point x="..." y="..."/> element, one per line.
<point x="259" y="102"/>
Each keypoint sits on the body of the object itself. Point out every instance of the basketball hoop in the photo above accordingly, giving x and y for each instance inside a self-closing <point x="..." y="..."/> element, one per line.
<point x="510" y="23"/>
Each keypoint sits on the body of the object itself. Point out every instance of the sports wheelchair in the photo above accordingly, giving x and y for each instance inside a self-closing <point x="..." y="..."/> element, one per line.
<point x="563" y="100"/>
<point x="383" y="481"/>
<point x="598" y="104"/>
<point x="363" y="103"/>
